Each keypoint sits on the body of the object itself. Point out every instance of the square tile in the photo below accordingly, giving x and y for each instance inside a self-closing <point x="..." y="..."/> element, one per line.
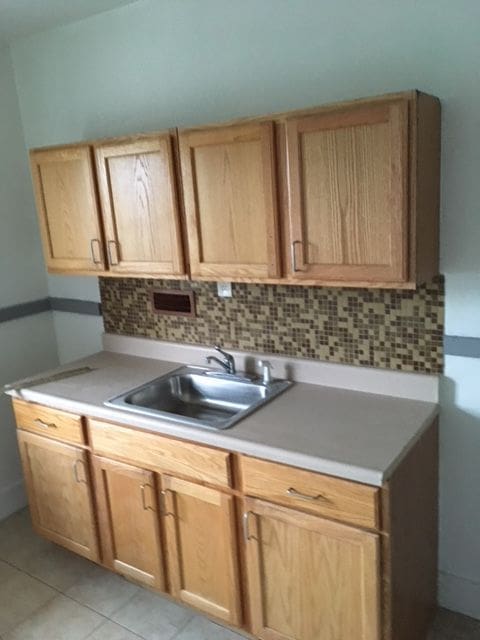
<point x="102" y="590"/>
<point x="18" y="541"/>
<point x="112" y="631"/>
<point x="20" y="596"/>
<point x="152" y="617"/>
<point x="200" y="628"/>
<point x="60" y="619"/>
<point x="55" y="566"/>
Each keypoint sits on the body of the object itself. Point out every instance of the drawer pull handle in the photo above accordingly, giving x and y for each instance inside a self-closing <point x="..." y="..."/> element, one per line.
<point x="303" y="496"/>
<point x="76" y="474"/>
<point x="45" y="425"/>
<point x="144" y="497"/>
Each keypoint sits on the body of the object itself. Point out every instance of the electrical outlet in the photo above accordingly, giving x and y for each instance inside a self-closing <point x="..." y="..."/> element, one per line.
<point x="224" y="289"/>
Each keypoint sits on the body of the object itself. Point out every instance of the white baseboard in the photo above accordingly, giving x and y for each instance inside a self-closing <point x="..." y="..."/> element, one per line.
<point x="12" y="498"/>
<point x="459" y="594"/>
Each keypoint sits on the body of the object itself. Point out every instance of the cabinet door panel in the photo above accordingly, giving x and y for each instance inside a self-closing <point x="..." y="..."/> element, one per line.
<point x="348" y="194"/>
<point x="139" y="205"/>
<point x="59" y="492"/>
<point x="66" y="199"/>
<point x="310" y="578"/>
<point x="201" y="544"/>
<point x="129" y="521"/>
<point x="230" y="201"/>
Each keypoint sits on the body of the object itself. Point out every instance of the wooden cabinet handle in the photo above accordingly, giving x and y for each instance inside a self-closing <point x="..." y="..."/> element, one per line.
<point x="95" y="243"/>
<point x="146" y="507"/>
<point x="293" y="493"/>
<point x="45" y="425"/>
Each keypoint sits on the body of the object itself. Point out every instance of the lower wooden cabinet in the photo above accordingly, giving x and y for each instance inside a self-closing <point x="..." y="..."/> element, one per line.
<point x="202" y="548"/>
<point x="60" y="493"/>
<point x="129" y="521"/>
<point x="310" y="578"/>
<point x="321" y="558"/>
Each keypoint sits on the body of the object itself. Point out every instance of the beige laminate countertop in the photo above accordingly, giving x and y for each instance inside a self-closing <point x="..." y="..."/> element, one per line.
<point x="353" y="435"/>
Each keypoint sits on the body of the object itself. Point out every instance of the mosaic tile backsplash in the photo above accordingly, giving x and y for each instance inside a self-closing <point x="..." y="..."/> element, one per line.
<point x="392" y="329"/>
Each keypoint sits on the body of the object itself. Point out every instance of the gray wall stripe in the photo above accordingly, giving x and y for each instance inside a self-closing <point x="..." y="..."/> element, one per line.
<point x="453" y="345"/>
<point x="24" y="309"/>
<point x="86" y="307"/>
<point x="461" y="346"/>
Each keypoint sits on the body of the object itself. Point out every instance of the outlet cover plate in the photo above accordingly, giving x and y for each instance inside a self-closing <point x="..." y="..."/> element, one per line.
<point x="224" y="289"/>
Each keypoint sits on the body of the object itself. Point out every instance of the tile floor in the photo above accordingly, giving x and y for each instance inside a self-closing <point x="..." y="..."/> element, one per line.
<point x="47" y="593"/>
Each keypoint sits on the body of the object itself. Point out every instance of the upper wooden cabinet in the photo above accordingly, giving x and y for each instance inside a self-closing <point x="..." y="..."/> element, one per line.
<point x="230" y="196"/>
<point x="340" y="195"/>
<point x="348" y="198"/>
<point x="139" y="205"/>
<point x="65" y="191"/>
<point x="362" y="192"/>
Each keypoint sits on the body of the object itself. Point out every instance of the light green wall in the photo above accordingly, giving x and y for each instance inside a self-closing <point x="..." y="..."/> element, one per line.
<point x="27" y="345"/>
<point x="159" y="63"/>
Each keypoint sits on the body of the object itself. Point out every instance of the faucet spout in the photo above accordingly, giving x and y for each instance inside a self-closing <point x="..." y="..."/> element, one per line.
<point x="228" y="362"/>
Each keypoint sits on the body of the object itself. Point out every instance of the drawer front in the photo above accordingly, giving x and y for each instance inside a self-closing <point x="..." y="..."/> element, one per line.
<point x="161" y="454"/>
<point x="48" y="422"/>
<point x="343" y="500"/>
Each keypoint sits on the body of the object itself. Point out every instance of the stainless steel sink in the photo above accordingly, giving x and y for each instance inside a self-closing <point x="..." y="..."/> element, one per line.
<point x="200" y="397"/>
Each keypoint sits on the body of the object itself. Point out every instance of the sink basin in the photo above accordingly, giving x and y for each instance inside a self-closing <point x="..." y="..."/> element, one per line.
<point x="198" y="396"/>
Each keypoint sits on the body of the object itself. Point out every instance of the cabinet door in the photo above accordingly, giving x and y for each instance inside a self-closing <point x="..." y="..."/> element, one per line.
<point x="66" y="199"/>
<point x="140" y="207"/>
<point x="230" y="201"/>
<point x="348" y="194"/>
<point x="310" y="578"/>
<point x="201" y="548"/>
<point x="59" y="492"/>
<point x="129" y="521"/>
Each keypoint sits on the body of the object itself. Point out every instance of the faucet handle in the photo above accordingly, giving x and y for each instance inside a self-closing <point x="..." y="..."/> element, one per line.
<point x="267" y="367"/>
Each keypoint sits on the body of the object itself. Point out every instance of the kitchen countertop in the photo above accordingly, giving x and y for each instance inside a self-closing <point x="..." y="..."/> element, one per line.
<point x="354" y="435"/>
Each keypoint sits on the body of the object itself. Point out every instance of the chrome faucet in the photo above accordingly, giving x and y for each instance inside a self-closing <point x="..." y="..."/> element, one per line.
<point x="228" y="363"/>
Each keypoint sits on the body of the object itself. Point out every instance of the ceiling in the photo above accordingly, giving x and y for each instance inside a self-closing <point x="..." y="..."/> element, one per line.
<point x="23" y="17"/>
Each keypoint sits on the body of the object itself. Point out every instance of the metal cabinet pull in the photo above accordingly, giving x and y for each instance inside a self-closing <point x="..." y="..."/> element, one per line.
<point x="45" y="425"/>
<point x="303" y="496"/>
<point x="112" y="262"/>
<point x="95" y="242"/>
<point x="293" y="246"/>
<point x="164" y="508"/>
<point x="246" y="529"/>
<point x="144" y="497"/>
<point x="75" y="472"/>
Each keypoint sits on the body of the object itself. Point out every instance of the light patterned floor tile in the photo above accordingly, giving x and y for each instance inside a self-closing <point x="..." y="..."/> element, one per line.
<point x="152" y="617"/>
<point x="20" y="595"/>
<point x="102" y="590"/>
<point x="60" y="619"/>
<point x="200" y="628"/>
<point x="112" y="631"/>
<point x="18" y="541"/>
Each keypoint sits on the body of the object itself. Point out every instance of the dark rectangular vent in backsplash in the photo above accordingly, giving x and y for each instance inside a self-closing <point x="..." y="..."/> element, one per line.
<point x="392" y="329"/>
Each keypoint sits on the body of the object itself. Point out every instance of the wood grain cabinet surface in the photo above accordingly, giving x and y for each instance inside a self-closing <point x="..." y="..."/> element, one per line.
<point x="66" y="197"/>
<point x="202" y="548"/>
<point x="129" y="521"/>
<point x="138" y="196"/>
<point x="281" y="552"/>
<point x="339" y="195"/>
<point x="60" y="495"/>
<point x="362" y="192"/>
<point x="229" y="187"/>
<point x="310" y="578"/>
